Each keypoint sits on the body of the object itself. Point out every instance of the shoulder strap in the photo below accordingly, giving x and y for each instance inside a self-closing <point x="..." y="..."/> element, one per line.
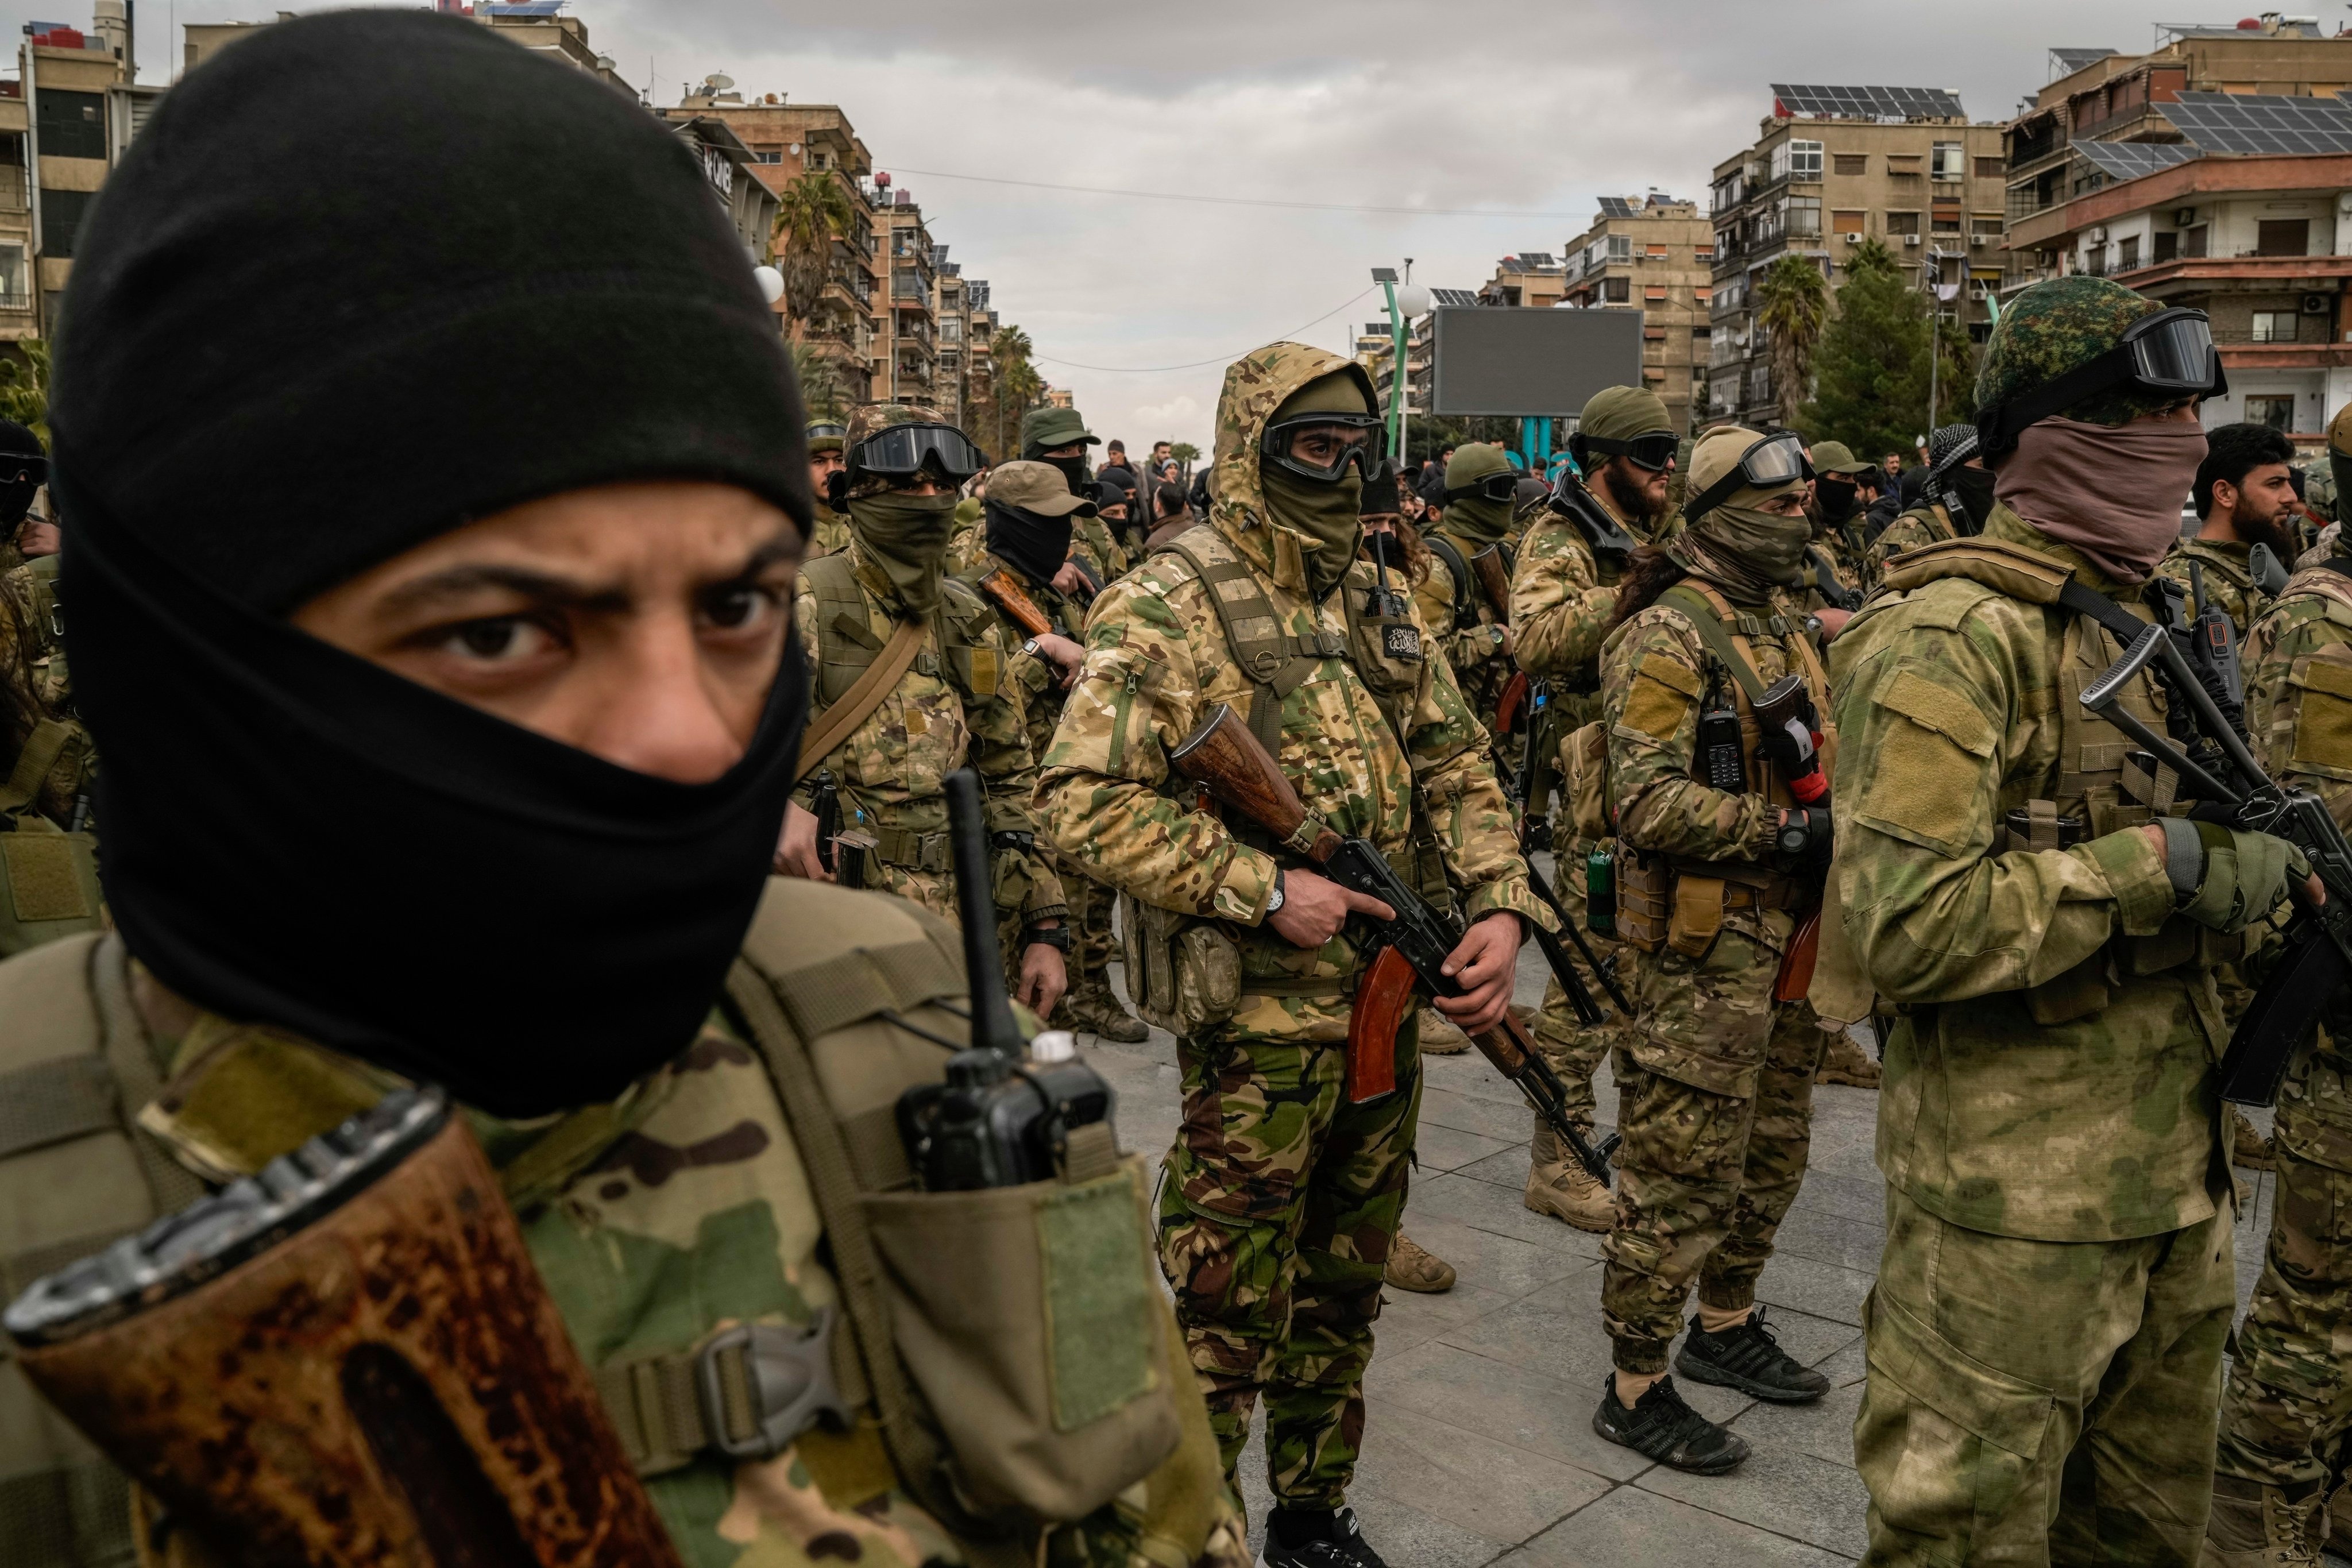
<point x="1276" y="662"/>
<point x="1458" y="569"/>
<point x="2010" y="569"/>
<point x="1708" y="614"/>
<point x="42" y="749"/>
<point x="858" y="704"/>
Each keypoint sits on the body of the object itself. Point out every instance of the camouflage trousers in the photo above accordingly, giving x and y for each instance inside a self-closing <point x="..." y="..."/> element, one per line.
<point x="2041" y="1401"/>
<point x="1089" y="922"/>
<point x="2290" y="1390"/>
<point x="1715" y="1102"/>
<point x="1574" y="1049"/>
<point x="1276" y="1217"/>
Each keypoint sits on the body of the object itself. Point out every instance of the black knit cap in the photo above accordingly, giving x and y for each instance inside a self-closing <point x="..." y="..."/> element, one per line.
<point x="373" y="274"/>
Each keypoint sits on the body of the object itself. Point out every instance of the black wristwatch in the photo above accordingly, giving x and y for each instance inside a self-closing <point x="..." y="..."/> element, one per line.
<point x="1056" y="937"/>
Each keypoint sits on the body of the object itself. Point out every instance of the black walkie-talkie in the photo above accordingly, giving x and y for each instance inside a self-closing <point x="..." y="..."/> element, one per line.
<point x="1722" y="762"/>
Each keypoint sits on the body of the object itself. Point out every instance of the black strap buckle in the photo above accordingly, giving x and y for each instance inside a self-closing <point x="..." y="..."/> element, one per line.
<point x="775" y="1380"/>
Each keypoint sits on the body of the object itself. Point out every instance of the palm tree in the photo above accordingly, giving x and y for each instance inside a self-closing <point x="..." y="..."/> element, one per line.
<point x="820" y="391"/>
<point x="1186" y="454"/>
<point x="811" y="212"/>
<point x="1793" y="306"/>
<point x="1018" y="387"/>
<point x="24" y="388"/>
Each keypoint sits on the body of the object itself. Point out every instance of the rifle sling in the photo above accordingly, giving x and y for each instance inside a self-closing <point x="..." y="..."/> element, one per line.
<point x="858" y="704"/>
<point x="1716" y="635"/>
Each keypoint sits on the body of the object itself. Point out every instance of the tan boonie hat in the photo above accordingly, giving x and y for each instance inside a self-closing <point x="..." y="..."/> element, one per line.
<point x="1034" y="487"/>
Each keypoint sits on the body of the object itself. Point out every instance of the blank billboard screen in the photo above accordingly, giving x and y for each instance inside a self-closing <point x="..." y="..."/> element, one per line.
<point x="1498" y="360"/>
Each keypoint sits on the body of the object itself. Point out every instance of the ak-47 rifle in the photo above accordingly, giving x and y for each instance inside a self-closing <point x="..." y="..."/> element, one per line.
<point x="1494" y="576"/>
<point x="1018" y="606"/>
<point x="2311" y="974"/>
<point x="1410" y="951"/>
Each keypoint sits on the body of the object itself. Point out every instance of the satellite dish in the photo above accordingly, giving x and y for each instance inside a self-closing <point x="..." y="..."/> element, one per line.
<point x="771" y="282"/>
<point x="719" y="81"/>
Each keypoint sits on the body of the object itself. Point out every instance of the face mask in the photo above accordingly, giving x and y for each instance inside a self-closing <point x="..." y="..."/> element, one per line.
<point x="557" y="926"/>
<point x="2112" y="491"/>
<point x="1330" y="514"/>
<point x="1479" y="519"/>
<point x="836" y="489"/>
<point x="1836" y="498"/>
<point x="1074" y="469"/>
<point x="1744" y="550"/>
<point x="905" y="536"/>
<point x="1037" y="545"/>
<point x="1974" y="487"/>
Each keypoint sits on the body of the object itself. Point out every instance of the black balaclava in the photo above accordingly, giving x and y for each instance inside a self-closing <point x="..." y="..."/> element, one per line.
<point x="1836" y="493"/>
<point x="22" y="462"/>
<point x="1032" y="541"/>
<point x="294" y="835"/>
<point x="1974" y="487"/>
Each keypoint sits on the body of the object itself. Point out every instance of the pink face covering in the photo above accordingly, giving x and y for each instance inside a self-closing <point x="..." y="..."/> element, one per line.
<point x="2112" y="491"/>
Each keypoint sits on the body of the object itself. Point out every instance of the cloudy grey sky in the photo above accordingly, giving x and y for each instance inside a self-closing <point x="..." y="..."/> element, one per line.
<point x="1534" y="110"/>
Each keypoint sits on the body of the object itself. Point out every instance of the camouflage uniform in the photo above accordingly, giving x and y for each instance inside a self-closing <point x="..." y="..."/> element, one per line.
<point x="2319" y="490"/>
<point x="1714" y="1078"/>
<point x="1914" y="530"/>
<point x="2229" y="580"/>
<point x="1281" y="1200"/>
<point x="829" y="534"/>
<point x="2289" y="1399"/>
<point x="2056" y="1283"/>
<point x="1463" y="623"/>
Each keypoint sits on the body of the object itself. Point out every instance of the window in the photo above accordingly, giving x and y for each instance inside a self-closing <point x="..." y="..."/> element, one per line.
<point x="2131" y="253"/>
<point x="1621" y="247"/>
<point x="2283" y="237"/>
<point x="1760" y="383"/>
<point x="1801" y="216"/>
<point x="2167" y="245"/>
<point x="2277" y="411"/>
<point x="1902" y="165"/>
<point x="61" y="216"/>
<point x="1949" y="160"/>
<point x="1655" y="334"/>
<point x="1703" y="253"/>
<point x="1655" y="252"/>
<point x="1795" y="160"/>
<point x="1849" y="222"/>
<point x="1617" y="290"/>
<point x="1990" y="168"/>
<point x="72" y="124"/>
<point x="12" y="294"/>
<point x="2192" y="242"/>
<point x="1985" y="228"/>
<point x="2273" y="327"/>
<point x="1946" y="220"/>
<point x="1850" y="163"/>
<point x="1702" y="332"/>
<point x="1702" y="292"/>
<point x="1902" y="223"/>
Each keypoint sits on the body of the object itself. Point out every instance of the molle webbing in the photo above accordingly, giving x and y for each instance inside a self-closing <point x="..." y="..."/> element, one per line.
<point x="1276" y="662"/>
<point x="1717" y="630"/>
<point x="42" y="749"/>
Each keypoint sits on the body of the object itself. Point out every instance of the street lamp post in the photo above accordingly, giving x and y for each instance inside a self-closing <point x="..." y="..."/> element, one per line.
<point x="1405" y="301"/>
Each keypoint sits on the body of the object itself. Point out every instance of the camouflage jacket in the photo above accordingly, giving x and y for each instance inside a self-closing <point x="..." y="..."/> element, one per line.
<point x="2319" y="488"/>
<point x="32" y="593"/>
<point x="1473" y="643"/>
<point x="1037" y="680"/>
<point x="953" y="704"/>
<point x="1914" y="530"/>
<point x="828" y="535"/>
<point x="1095" y="550"/>
<point x="2297" y="660"/>
<point x="2073" y="1098"/>
<point x="1655" y="677"/>
<point x="2229" y="580"/>
<point x="1563" y="595"/>
<point x="1157" y="661"/>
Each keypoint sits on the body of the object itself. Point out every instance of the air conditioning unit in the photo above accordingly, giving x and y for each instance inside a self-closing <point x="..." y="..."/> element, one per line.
<point x="2315" y="304"/>
<point x="1853" y="239"/>
<point x="2182" y="217"/>
<point x="1910" y="239"/>
<point x="2097" y="235"/>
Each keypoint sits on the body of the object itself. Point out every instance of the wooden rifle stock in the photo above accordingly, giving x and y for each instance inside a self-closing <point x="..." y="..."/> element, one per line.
<point x="1385" y="997"/>
<point x="1495" y="579"/>
<point x="1019" y="606"/>
<point x="1507" y="706"/>
<point x="1796" y="976"/>
<point x="1224" y="755"/>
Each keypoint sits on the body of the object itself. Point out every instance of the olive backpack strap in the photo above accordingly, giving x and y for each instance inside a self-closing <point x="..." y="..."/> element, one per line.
<point x="1276" y="662"/>
<point x="1457" y="567"/>
<point x="1702" y="610"/>
<point x="856" y="670"/>
<point x="42" y="749"/>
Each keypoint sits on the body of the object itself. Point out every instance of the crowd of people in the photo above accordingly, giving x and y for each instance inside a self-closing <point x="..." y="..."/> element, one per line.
<point x="597" y="770"/>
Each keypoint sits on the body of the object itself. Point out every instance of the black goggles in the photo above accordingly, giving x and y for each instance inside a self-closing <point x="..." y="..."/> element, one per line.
<point x="1321" y="446"/>
<point x="2170" y="351"/>
<point x="1770" y="463"/>
<point x="1501" y="485"/>
<point x="902" y="452"/>
<point x="1654" y="451"/>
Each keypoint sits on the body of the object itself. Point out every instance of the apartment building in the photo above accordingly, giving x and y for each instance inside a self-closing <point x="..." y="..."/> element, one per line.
<point x="951" y="309"/>
<point x="1830" y="165"/>
<point x="1654" y="255"/>
<point x="730" y="167"/>
<point x="75" y="114"/>
<point x="907" y="350"/>
<point x="1532" y="281"/>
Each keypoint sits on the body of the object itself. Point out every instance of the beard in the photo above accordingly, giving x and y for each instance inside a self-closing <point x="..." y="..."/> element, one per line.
<point x="1629" y="495"/>
<point x="2271" y="531"/>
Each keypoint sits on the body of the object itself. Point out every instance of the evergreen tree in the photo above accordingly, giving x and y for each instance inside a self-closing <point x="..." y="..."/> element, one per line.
<point x="1870" y="377"/>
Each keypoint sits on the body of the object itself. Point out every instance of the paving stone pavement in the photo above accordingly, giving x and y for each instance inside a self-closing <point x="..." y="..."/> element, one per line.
<point x="1478" y="1445"/>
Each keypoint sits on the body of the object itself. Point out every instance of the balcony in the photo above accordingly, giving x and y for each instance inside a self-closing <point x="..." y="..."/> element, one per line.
<point x="19" y="302"/>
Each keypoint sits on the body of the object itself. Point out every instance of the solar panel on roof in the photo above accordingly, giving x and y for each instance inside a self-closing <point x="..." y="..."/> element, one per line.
<point x="2254" y="123"/>
<point x="1616" y="206"/>
<point x="1539" y="259"/>
<point x="1455" y="296"/>
<point x="2072" y="60"/>
<point x="1868" y="103"/>
<point x="2130" y="160"/>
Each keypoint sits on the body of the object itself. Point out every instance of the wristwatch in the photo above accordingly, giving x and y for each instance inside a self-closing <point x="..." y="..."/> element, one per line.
<point x="1029" y="647"/>
<point x="1057" y="937"/>
<point x="1274" y="900"/>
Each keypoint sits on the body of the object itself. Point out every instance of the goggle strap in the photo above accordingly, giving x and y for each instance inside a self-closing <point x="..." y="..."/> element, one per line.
<point x="1998" y="431"/>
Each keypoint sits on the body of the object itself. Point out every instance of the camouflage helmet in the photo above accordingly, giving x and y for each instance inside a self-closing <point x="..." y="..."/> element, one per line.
<point x="872" y="417"/>
<point x="2056" y="326"/>
<point x="825" y="436"/>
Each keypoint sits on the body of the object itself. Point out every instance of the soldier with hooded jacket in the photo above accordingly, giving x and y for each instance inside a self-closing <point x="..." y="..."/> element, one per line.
<point x="470" y="780"/>
<point x="1281" y="1199"/>
<point x="2045" y="1335"/>
<point x="1563" y="602"/>
<point x="1722" y="832"/>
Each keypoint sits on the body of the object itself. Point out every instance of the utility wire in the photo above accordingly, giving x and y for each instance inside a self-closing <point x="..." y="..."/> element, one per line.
<point x="1244" y="201"/>
<point x="1195" y="365"/>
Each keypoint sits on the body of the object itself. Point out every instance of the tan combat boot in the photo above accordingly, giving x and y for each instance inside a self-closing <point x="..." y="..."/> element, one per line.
<point x="1439" y="1035"/>
<point x="1846" y="1062"/>
<point x="1412" y="1268"/>
<point x="1095" y="1010"/>
<point x="1559" y="1186"/>
<point x="2247" y="1147"/>
<point x="2255" y="1526"/>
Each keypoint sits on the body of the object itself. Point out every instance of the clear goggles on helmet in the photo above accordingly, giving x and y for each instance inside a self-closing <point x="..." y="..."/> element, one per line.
<point x="903" y="451"/>
<point x="1654" y="451"/>
<point x="1768" y="464"/>
<point x="2170" y="351"/>
<point x="828" y="432"/>
<point x="1321" y="446"/>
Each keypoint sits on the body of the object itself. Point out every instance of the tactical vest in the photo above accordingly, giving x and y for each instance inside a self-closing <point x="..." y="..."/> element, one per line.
<point x="2094" y="793"/>
<point x="956" y="1343"/>
<point x="847" y="648"/>
<point x="1183" y="973"/>
<point x="49" y="876"/>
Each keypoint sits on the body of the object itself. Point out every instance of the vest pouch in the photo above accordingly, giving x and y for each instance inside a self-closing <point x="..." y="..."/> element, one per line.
<point x="1208" y="978"/>
<point x="2170" y="945"/>
<point x="1030" y="1320"/>
<point x="1152" y="959"/>
<point x="2077" y="994"/>
<point x="1584" y="766"/>
<point x="1645" y="894"/>
<point x="1697" y="916"/>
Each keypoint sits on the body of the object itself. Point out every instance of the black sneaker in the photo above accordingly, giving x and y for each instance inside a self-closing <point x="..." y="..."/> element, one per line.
<point x="1663" y="1427"/>
<point x="1750" y="1359"/>
<point x="1341" y="1545"/>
